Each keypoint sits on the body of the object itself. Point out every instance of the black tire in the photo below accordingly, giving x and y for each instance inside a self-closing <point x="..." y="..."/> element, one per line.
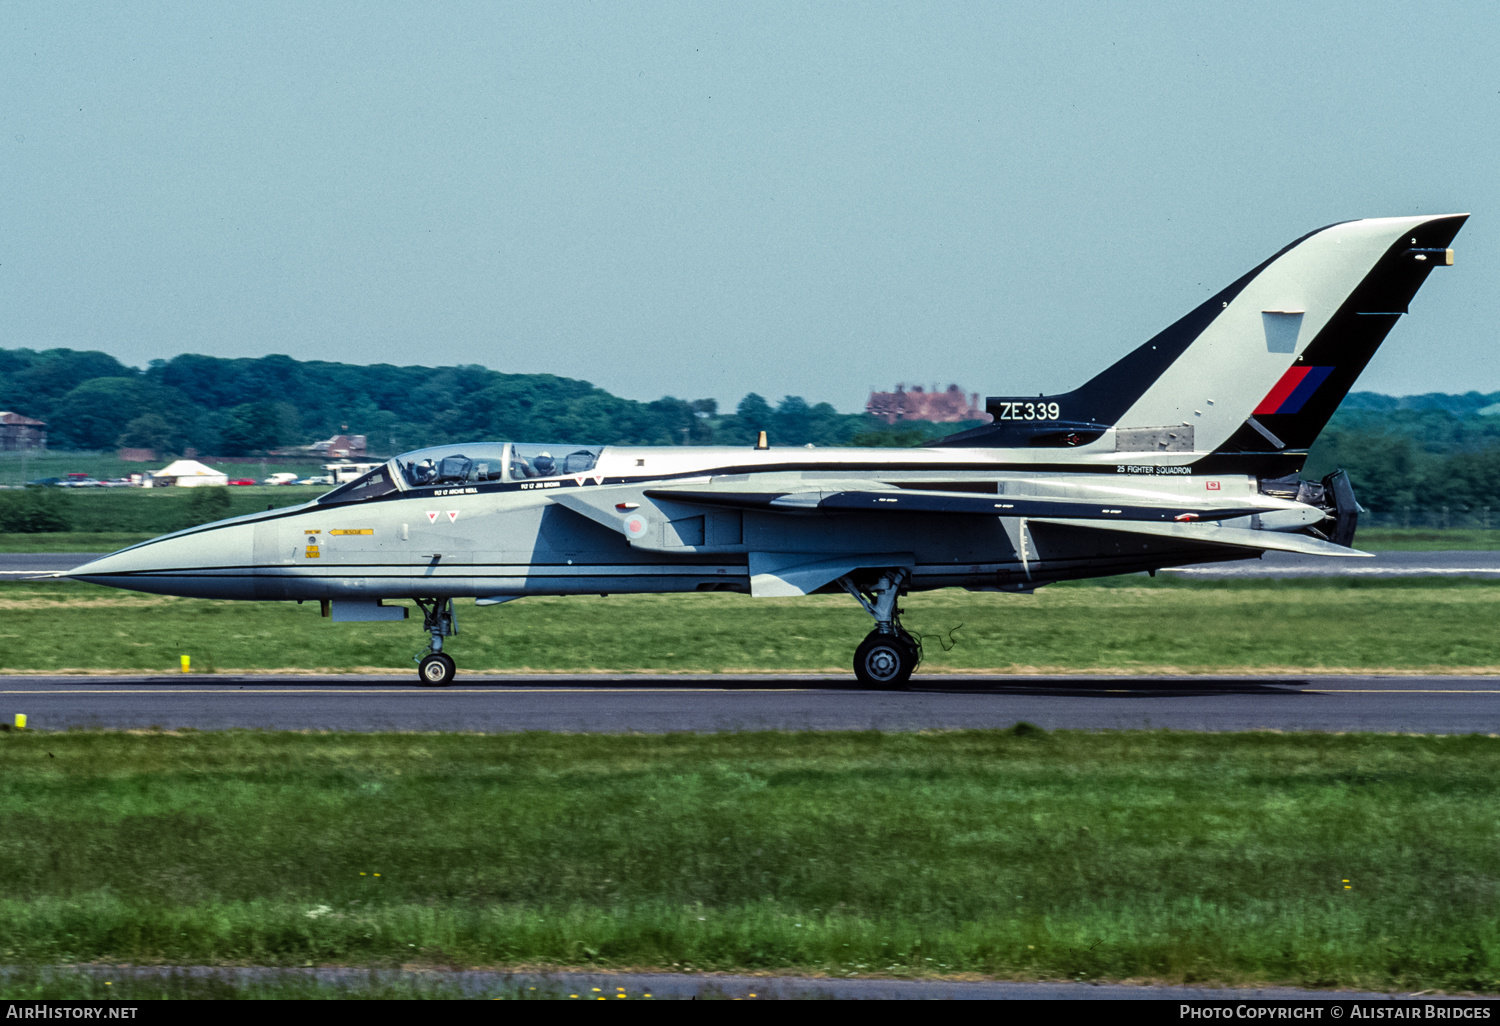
<point x="436" y="671"/>
<point x="886" y="660"/>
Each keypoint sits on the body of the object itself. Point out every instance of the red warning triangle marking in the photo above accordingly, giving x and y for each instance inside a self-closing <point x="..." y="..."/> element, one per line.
<point x="432" y="516"/>
<point x="452" y="516"/>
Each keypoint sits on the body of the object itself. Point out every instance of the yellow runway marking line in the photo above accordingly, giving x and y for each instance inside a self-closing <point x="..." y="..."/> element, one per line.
<point x="230" y="690"/>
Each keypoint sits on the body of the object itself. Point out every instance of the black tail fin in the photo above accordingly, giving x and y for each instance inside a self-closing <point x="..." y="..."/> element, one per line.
<point x="1245" y="382"/>
<point x="1289" y="417"/>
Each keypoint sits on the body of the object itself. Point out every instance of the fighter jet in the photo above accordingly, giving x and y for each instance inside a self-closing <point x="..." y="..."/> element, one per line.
<point x="1187" y="450"/>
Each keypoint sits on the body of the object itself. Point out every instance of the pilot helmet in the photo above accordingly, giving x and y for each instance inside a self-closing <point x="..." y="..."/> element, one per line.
<point x="545" y="463"/>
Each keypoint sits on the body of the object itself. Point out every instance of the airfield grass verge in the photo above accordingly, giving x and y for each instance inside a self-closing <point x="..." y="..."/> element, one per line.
<point x="72" y="541"/>
<point x="1126" y="624"/>
<point x="1418" y="539"/>
<point x="1319" y="860"/>
<point x="238" y="983"/>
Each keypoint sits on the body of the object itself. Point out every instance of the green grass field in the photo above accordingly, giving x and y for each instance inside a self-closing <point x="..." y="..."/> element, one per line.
<point x="1416" y="539"/>
<point x="1320" y="860"/>
<point x="104" y="519"/>
<point x="1130" y="624"/>
<point x="72" y="541"/>
<point x="102" y="982"/>
<point x="17" y="468"/>
<point x="153" y="511"/>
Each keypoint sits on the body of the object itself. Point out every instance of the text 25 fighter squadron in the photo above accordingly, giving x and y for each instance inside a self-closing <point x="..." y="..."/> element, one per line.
<point x="1186" y="450"/>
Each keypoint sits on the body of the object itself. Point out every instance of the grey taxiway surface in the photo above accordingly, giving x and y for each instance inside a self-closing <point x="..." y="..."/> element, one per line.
<point x="654" y="704"/>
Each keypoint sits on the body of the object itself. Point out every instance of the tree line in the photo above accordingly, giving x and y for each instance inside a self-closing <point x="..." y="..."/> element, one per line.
<point x="1409" y="455"/>
<point x="243" y="407"/>
<point x="1413" y="452"/>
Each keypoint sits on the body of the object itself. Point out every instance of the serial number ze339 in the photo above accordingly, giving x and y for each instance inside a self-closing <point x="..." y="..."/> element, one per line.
<point x="1028" y="411"/>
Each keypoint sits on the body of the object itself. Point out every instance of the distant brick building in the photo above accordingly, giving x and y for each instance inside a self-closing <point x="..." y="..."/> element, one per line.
<point x="945" y="407"/>
<point x="18" y="432"/>
<point x="340" y="445"/>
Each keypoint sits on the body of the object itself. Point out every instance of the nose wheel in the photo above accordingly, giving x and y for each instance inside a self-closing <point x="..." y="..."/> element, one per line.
<point x="437" y="670"/>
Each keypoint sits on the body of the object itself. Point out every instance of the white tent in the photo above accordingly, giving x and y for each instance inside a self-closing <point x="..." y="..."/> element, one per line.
<point x="188" y="474"/>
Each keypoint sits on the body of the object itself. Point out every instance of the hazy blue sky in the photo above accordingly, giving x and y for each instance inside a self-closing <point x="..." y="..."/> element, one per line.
<point x="709" y="199"/>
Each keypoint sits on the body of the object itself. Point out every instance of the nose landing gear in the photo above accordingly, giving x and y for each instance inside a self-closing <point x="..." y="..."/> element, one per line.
<point x="889" y="654"/>
<point x="435" y="668"/>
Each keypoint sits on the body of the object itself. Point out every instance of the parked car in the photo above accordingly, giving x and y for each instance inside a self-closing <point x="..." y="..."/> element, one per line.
<point x="242" y="481"/>
<point x="313" y="481"/>
<point x="282" y="478"/>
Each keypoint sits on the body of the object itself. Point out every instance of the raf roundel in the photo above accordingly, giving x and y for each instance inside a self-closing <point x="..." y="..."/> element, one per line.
<point x="635" y="525"/>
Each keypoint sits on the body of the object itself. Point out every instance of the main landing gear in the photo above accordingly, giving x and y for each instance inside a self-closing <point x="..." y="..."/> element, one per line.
<point x="889" y="654"/>
<point x="435" y="668"/>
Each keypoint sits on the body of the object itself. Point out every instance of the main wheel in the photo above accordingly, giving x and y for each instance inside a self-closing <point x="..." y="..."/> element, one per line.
<point x="885" y="660"/>
<point x="436" y="671"/>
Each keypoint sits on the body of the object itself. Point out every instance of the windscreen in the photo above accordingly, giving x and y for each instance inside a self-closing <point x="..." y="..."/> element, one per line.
<point x="376" y="483"/>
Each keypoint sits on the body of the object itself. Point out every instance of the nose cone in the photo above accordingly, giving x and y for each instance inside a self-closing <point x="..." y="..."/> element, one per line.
<point x="206" y="562"/>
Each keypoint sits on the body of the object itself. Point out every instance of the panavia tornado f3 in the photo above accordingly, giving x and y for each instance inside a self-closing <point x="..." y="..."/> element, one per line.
<point x="1187" y="450"/>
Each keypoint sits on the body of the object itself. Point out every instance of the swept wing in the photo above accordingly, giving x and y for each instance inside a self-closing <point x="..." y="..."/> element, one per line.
<point x="906" y="500"/>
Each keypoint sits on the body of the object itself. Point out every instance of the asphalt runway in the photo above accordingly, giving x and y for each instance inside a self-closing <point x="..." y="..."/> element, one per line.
<point x="706" y="703"/>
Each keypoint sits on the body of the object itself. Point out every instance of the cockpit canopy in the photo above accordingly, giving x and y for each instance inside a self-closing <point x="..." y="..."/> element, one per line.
<point x="449" y="466"/>
<point x="527" y="461"/>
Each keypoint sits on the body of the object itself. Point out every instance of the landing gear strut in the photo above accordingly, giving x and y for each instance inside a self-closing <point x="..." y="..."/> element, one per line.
<point x="889" y="654"/>
<point x="435" y="668"/>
